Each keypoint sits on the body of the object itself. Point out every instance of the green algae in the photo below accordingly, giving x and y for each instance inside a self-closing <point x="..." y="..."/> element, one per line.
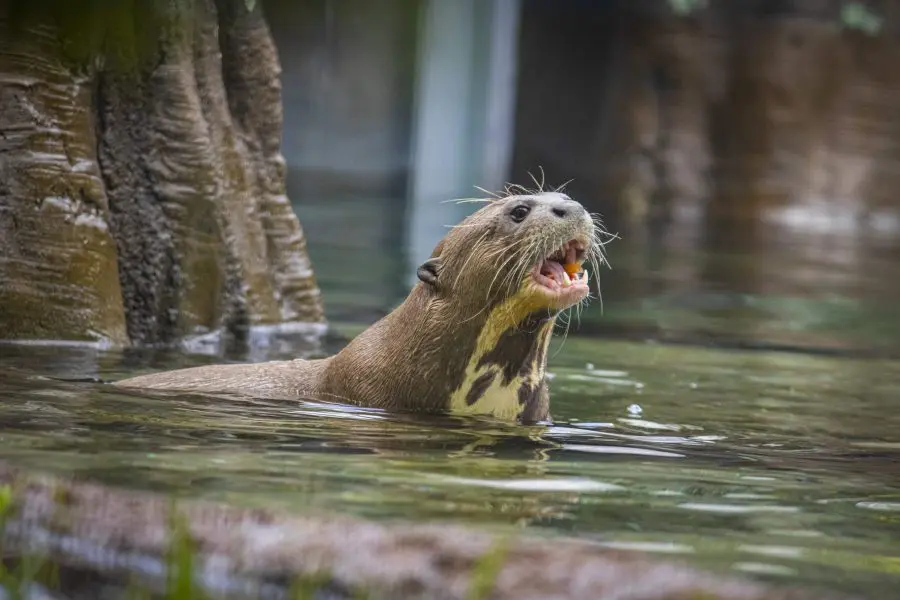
<point x="487" y="569"/>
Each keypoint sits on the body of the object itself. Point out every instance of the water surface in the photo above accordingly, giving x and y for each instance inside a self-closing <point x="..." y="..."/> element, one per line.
<point x="778" y="465"/>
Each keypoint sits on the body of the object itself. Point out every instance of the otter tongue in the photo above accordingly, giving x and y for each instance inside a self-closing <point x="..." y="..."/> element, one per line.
<point x="555" y="271"/>
<point x="571" y="255"/>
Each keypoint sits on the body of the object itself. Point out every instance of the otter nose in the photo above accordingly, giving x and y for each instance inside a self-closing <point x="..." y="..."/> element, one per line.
<point x="567" y="207"/>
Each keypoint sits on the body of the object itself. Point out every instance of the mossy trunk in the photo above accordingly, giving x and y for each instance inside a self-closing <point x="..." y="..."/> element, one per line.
<point x="142" y="187"/>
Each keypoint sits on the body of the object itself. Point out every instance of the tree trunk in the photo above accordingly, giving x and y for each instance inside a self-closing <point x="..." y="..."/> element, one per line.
<point x="142" y="188"/>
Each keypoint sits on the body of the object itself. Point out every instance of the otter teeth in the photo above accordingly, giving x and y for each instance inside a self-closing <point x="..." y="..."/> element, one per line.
<point x="558" y="269"/>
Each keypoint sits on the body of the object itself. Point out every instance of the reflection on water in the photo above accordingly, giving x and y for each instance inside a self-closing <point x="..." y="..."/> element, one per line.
<point x="783" y="466"/>
<point x="779" y="288"/>
<point x="775" y="464"/>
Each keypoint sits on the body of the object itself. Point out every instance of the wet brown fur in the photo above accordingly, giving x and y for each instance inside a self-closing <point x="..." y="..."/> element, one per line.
<point x="416" y="357"/>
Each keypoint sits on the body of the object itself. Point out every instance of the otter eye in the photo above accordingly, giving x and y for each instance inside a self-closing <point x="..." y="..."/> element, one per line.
<point x="519" y="213"/>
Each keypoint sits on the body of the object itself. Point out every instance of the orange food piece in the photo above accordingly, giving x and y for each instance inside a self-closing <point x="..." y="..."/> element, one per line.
<point x="572" y="268"/>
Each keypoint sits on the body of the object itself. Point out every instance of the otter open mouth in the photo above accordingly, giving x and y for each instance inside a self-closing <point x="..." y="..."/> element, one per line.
<point x="562" y="271"/>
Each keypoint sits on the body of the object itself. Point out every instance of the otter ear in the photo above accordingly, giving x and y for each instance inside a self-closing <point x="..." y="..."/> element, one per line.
<point x="428" y="271"/>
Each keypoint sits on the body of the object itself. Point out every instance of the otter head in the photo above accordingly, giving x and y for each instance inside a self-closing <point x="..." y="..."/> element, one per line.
<point x="495" y="284"/>
<point x="523" y="252"/>
<point x="472" y="336"/>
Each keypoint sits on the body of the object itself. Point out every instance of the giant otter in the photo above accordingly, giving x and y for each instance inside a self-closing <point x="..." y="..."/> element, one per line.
<point x="471" y="336"/>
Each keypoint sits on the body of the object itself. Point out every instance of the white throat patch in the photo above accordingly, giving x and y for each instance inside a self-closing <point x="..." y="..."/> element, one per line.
<point x="492" y="395"/>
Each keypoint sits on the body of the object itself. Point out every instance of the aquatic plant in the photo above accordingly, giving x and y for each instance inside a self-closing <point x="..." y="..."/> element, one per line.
<point x="29" y="570"/>
<point x="486" y="571"/>
<point x="180" y="560"/>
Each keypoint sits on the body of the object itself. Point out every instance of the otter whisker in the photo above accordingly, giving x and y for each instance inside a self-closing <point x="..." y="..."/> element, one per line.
<point x="474" y="251"/>
<point x="467" y="200"/>
<point x="486" y="255"/>
<point x="600" y="233"/>
<point x="597" y="251"/>
<point x="610" y="237"/>
<point x="513" y="255"/>
<point x="532" y="254"/>
<point x="519" y="273"/>
<point x="490" y="287"/>
<point x="524" y="265"/>
<point x="496" y="253"/>
<point x="565" y="335"/>
<point x="602" y="236"/>
<point x="509" y="277"/>
<point x="568" y="326"/>
<point x="542" y="248"/>
<point x="540" y="186"/>
<point x="546" y="248"/>
<point x="596" y="268"/>
<point x="582" y="304"/>
<point x="483" y="308"/>
<point x="566" y="318"/>
<point x="511" y="188"/>
<point x="596" y="217"/>
<point x="496" y="195"/>
<point x="499" y="251"/>
<point x="599" y="298"/>
<point x="599" y="292"/>
<point x="600" y="227"/>
<point x="561" y="188"/>
<point x="461" y="225"/>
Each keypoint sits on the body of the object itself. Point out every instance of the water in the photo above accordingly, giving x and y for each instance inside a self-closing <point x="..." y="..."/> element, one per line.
<point x="777" y="465"/>
<point x="783" y="466"/>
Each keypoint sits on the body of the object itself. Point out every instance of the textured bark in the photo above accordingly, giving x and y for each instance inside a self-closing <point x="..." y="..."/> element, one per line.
<point x="145" y="192"/>
<point x="58" y="274"/>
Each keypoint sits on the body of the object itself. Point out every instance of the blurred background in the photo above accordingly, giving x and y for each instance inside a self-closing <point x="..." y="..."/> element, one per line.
<point x="746" y="152"/>
<point x="732" y="401"/>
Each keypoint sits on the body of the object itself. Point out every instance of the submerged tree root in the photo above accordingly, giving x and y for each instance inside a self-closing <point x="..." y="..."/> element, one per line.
<point x="199" y="549"/>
